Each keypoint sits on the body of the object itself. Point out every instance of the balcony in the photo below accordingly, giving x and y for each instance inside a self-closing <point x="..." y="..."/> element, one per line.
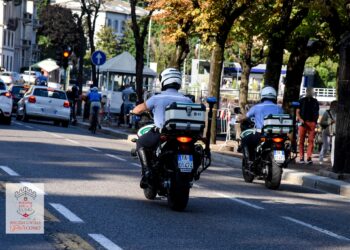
<point x="12" y="24"/>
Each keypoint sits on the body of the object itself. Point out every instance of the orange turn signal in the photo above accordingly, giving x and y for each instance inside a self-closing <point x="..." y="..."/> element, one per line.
<point x="184" y="139"/>
<point x="277" y="139"/>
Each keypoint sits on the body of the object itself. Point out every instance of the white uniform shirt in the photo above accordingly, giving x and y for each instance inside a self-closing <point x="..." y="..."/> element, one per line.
<point x="158" y="103"/>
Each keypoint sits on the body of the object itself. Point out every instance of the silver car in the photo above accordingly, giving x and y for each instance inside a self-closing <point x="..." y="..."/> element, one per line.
<point x="44" y="103"/>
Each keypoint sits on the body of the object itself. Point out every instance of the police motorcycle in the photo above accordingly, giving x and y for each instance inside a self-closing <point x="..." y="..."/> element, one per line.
<point x="273" y="152"/>
<point x="182" y="154"/>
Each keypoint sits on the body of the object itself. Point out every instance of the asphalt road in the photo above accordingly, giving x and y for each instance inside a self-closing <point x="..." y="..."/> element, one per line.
<point x="93" y="201"/>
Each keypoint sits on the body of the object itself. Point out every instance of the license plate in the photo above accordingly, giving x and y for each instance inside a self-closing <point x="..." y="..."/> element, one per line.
<point x="279" y="155"/>
<point x="185" y="163"/>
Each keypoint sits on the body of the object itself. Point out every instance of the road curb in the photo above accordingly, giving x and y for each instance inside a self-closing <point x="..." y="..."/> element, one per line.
<point x="304" y="179"/>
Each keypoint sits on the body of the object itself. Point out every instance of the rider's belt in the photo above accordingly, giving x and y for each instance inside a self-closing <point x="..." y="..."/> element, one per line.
<point x="157" y="130"/>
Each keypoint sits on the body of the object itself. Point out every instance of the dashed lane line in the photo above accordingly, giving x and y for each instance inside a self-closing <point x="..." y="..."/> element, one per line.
<point x="329" y="233"/>
<point x="72" y="141"/>
<point x="240" y="201"/>
<point x="115" y="157"/>
<point x="93" y="149"/>
<point x="9" y="171"/>
<point x="30" y="127"/>
<point x="33" y="187"/>
<point x="136" y="164"/>
<point x="69" y="215"/>
<point x="105" y="242"/>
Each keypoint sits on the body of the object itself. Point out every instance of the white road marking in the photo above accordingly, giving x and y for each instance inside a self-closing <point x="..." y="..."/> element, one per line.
<point x="329" y="233"/>
<point x="30" y="127"/>
<point x="115" y="157"/>
<point x="106" y="243"/>
<point x="9" y="171"/>
<point x="66" y="213"/>
<point x="17" y="123"/>
<point x="71" y="141"/>
<point x="93" y="149"/>
<point x="196" y="186"/>
<point x="33" y="187"/>
<point x="240" y="201"/>
<point x="55" y="135"/>
<point x="136" y="164"/>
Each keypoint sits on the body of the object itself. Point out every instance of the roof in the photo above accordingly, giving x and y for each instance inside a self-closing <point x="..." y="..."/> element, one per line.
<point x="114" y="6"/>
<point x="124" y="63"/>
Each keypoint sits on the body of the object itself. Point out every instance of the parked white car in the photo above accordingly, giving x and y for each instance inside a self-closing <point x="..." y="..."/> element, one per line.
<point x="44" y="103"/>
<point x="30" y="76"/>
<point x="11" y="78"/>
<point x="5" y="104"/>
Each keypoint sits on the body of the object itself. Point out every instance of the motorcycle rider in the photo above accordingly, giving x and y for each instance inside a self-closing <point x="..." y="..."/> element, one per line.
<point x="95" y="101"/>
<point x="268" y="105"/>
<point x="170" y="80"/>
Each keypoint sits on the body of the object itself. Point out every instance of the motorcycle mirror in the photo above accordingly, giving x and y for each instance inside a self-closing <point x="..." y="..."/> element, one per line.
<point x="211" y="100"/>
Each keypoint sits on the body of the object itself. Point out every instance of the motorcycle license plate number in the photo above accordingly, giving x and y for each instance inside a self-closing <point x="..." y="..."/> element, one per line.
<point x="185" y="163"/>
<point x="279" y="155"/>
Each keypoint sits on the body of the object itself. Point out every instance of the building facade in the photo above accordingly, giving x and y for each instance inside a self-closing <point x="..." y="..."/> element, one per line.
<point x="18" y="26"/>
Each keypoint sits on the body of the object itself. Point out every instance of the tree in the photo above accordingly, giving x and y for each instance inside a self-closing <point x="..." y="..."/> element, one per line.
<point x="177" y="18"/>
<point x="290" y="15"/>
<point x="338" y="16"/>
<point x="107" y="41"/>
<point x="90" y="9"/>
<point x="215" y="22"/>
<point x="140" y="29"/>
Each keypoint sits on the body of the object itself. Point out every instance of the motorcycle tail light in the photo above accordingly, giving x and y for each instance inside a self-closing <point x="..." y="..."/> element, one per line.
<point x="277" y="140"/>
<point x="262" y="139"/>
<point x="184" y="139"/>
<point x="32" y="99"/>
<point x="66" y="104"/>
<point x="8" y="94"/>
<point x="278" y="145"/>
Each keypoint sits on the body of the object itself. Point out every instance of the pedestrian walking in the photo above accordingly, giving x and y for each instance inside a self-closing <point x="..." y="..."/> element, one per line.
<point x="307" y="115"/>
<point x="328" y="131"/>
<point x="129" y="101"/>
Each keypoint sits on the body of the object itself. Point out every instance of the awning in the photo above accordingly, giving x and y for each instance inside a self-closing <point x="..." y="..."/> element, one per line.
<point x="47" y="65"/>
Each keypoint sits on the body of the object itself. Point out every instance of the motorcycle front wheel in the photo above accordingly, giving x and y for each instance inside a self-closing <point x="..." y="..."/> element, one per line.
<point x="247" y="176"/>
<point x="274" y="176"/>
<point x="150" y="193"/>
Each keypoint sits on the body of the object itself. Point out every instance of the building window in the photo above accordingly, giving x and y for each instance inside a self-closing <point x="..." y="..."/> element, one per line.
<point x="123" y="27"/>
<point x="10" y="63"/>
<point x="116" y="26"/>
<point x="5" y="33"/>
<point x="9" y="39"/>
<point x="12" y="40"/>
<point x="109" y="22"/>
<point x="7" y="63"/>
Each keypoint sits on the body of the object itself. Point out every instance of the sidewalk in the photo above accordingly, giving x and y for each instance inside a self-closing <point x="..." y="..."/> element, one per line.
<point x="314" y="176"/>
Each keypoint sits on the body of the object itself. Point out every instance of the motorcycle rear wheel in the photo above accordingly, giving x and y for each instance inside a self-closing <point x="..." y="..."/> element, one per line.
<point x="273" y="179"/>
<point x="178" y="194"/>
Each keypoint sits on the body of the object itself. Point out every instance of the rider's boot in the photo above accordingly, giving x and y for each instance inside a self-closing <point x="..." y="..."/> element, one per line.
<point x="145" y="167"/>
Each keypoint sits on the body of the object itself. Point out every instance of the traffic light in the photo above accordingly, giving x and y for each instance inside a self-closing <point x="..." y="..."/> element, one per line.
<point x="66" y="52"/>
<point x="59" y="57"/>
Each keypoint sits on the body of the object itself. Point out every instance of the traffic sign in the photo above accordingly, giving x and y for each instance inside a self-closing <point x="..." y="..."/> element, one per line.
<point x="98" y="58"/>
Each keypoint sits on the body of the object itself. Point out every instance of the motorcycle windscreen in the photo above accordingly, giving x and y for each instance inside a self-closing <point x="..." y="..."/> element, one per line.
<point x="279" y="156"/>
<point x="185" y="163"/>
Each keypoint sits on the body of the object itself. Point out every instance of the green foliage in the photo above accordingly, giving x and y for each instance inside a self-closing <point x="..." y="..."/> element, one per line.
<point x="326" y="70"/>
<point x="107" y="41"/>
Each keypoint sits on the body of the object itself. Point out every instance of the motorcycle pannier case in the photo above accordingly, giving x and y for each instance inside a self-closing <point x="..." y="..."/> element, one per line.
<point x="278" y="124"/>
<point x="189" y="117"/>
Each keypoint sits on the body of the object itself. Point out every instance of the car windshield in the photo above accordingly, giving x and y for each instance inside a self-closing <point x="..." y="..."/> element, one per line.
<point x="50" y="93"/>
<point x="5" y="74"/>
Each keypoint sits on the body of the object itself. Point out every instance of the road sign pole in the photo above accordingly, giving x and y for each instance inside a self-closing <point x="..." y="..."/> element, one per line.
<point x="98" y="75"/>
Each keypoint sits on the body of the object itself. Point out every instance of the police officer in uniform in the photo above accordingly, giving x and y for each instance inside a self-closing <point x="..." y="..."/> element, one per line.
<point x="170" y="80"/>
<point x="266" y="107"/>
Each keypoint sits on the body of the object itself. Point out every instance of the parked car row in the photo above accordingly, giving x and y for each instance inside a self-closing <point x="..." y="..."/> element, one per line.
<point x="34" y="102"/>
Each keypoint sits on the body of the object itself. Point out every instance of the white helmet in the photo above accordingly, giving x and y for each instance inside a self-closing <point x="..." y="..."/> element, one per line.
<point x="268" y="93"/>
<point x="170" y="78"/>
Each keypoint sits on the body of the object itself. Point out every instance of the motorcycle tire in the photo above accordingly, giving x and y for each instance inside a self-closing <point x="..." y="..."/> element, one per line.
<point x="150" y="193"/>
<point x="273" y="179"/>
<point x="248" y="177"/>
<point x="178" y="194"/>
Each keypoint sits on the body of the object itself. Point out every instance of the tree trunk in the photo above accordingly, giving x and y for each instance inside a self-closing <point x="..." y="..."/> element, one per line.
<point x="274" y="62"/>
<point x="295" y="70"/>
<point x="342" y="139"/>
<point x="243" y="88"/>
<point x="182" y="50"/>
<point x="216" y="62"/>
<point x="139" y="71"/>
